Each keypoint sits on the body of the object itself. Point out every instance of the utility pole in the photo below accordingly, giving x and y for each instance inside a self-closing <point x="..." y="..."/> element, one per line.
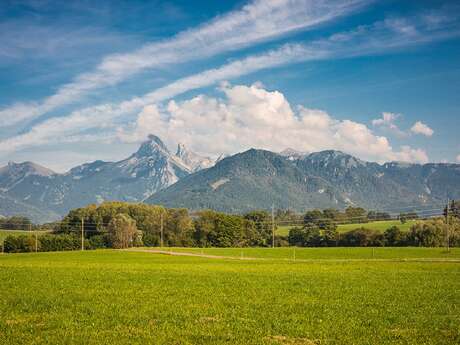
<point x="447" y="225"/>
<point x="273" y="225"/>
<point x="36" y="241"/>
<point x="82" y="234"/>
<point x="161" y="229"/>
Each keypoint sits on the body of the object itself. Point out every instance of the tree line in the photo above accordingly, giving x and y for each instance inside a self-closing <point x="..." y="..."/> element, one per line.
<point x="122" y="225"/>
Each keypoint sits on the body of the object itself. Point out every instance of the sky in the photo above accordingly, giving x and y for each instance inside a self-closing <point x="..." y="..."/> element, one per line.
<point x="84" y="80"/>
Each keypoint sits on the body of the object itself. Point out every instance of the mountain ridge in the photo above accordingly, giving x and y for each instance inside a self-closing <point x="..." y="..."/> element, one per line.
<point x="248" y="180"/>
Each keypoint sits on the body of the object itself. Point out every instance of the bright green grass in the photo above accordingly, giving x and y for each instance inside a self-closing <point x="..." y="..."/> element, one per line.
<point x="110" y="297"/>
<point x="6" y="233"/>
<point x="378" y="226"/>
<point x="340" y="253"/>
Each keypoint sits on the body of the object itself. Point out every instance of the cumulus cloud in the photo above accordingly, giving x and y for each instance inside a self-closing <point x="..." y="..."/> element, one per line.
<point x="387" y="122"/>
<point x="257" y="21"/>
<point x="421" y="128"/>
<point x="250" y="116"/>
<point x="458" y="158"/>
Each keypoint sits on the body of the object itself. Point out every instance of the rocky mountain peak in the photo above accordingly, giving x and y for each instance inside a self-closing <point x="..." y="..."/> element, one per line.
<point x="152" y="146"/>
<point x="193" y="160"/>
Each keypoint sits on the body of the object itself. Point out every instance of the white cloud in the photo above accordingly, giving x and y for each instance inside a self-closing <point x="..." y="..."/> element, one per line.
<point x="250" y="116"/>
<point x="387" y="122"/>
<point x="421" y="128"/>
<point x="364" y="40"/>
<point x="386" y="119"/>
<point x="257" y="21"/>
<point x="458" y="158"/>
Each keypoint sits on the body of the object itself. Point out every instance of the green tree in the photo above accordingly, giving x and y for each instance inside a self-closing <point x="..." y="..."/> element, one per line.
<point x="260" y="232"/>
<point x="356" y="214"/>
<point x="394" y="237"/>
<point x="122" y="231"/>
<point x="429" y="233"/>
<point x="312" y="218"/>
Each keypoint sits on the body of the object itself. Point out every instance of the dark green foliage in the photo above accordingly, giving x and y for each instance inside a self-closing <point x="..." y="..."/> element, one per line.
<point x="362" y="237"/>
<point x="177" y="228"/>
<point x="260" y="232"/>
<point x="394" y="237"/>
<point x="454" y="209"/>
<point x="404" y="217"/>
<point x="98" y="242"/>
<point x="15" y="223"/>
<point x="297" y="237"/>
<point x="430" y="233"/>
<point x="19" y="244"/>
<point x="151" y="240"/>
<point x="215" y="229"/>
<point x="62" y="242"/>
<point x="356" y="214"/>
<point x="313" y="236"/>
<point x="115" y="225"/>
<point x="377" y="215"/>
<point x="122" y="231"/>
<point x="281" y="241"/>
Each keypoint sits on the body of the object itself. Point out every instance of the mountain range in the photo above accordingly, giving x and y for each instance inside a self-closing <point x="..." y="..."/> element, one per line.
<point x="255" y="179"/>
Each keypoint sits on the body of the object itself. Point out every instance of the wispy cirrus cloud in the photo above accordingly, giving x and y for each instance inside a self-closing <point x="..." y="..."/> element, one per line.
<point x="257" y="21"/>
<point x="373" y="39"/>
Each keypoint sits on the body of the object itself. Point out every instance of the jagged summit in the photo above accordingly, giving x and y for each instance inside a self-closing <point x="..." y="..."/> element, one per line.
<point x="193" y="160"/>
<point x="151" y="147"/>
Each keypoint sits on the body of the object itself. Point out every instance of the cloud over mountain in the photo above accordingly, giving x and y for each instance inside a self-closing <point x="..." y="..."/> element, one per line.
<point x="251" y="116"/>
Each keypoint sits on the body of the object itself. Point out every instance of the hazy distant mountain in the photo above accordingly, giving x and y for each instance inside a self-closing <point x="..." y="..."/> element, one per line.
<point x="257" y="178"/>
<point x="193" y="160"/>
<point x="250" y="180"/>
<point x="151" y="168"/>
<point x="292" y="154"/>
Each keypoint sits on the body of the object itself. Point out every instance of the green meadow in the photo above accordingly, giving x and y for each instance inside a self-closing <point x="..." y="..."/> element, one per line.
<point x="396" y="296"/>
<point x="380" y="225"/>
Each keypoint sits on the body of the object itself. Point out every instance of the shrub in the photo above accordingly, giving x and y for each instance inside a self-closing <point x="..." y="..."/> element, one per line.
<point x="53" y="243"/>
<point x="151" y="240"/>
<point x="429" y="233"/>
<point x="394" y="237"/>
<point x="97" y="242"/>
<point x="362" y="237"/>
<point x="19" y="244"/>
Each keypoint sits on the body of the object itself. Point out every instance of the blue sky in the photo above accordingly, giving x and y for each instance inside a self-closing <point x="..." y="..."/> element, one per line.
<point x="82" y="81"/>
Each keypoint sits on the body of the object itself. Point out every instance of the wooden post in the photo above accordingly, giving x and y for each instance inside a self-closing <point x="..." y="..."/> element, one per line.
<point x="447" y="225"/>
<point x="82" y="234"/>
<point x="161" y="229"/>
<point x="273" y="226"/>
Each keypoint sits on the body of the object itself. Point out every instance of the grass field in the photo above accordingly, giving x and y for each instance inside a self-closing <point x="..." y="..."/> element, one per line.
<point x="381" y="225"/>
<point x="120" y="297"/>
